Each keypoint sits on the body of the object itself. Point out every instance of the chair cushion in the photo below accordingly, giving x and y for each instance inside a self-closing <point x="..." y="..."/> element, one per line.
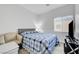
<point x="2" y="41"/>
<point x="10" y="37"/>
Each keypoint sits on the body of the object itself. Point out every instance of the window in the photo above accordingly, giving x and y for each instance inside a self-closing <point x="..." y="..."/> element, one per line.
<point x="61" y="23"/>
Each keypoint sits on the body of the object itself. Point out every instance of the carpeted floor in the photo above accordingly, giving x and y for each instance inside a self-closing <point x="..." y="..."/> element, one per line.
<point x="23" y="51"/>
<point x="58" y="50"/>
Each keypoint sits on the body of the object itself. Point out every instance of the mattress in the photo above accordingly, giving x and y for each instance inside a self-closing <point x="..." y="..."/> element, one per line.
<point x="39" y="42"/>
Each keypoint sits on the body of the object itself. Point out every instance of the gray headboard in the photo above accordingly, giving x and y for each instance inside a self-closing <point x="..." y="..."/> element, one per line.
<point x="23" y="30"/>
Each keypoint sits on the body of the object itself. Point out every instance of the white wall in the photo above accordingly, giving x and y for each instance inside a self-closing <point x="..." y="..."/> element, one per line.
<point x="48" y="19"/>
<point x="13" y="17"/>
<point x="77" y="20"/>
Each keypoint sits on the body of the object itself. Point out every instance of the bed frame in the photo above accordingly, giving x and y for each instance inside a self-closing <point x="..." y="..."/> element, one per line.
<point x="23" y="30"/>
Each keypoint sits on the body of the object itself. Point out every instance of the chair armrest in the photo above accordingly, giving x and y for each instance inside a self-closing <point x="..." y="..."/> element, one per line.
<point x="19" y="39"/>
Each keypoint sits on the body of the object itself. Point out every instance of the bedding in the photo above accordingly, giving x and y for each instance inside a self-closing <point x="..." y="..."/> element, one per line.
<point x="37" y="42"/>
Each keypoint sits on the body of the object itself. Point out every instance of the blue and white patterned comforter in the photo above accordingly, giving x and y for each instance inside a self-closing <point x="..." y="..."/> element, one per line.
<point x="39" y="42"/>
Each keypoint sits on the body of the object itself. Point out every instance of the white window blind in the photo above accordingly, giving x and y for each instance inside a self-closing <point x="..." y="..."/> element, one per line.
<point x="61" y="23"/>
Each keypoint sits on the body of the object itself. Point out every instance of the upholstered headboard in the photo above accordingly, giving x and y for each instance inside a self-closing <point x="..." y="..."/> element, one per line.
<point x="23" y="30"/>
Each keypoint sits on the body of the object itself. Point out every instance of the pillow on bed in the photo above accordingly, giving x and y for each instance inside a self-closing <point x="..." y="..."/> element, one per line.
<point x="29" y="32"/>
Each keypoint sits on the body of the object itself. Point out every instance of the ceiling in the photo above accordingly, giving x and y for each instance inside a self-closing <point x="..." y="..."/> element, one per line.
<point x="41" y="8"/>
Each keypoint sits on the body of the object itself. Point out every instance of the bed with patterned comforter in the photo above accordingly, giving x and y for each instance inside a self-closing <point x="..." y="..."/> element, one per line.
<point x="39" y="42"/>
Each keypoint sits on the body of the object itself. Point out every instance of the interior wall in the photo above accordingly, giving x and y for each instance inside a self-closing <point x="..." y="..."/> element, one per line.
<point x="77" y="20"/>
<point x="48" y="19"/>
<point x="13" y="17"/>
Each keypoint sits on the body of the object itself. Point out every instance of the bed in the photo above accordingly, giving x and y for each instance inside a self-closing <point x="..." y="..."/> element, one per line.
<point x="39" y="43"/>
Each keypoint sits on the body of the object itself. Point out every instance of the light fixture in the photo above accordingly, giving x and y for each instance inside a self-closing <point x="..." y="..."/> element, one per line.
<point x="47" y="4"/>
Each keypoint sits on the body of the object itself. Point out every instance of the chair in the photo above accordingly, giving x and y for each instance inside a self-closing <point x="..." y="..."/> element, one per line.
<point x="71" y="47"/>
